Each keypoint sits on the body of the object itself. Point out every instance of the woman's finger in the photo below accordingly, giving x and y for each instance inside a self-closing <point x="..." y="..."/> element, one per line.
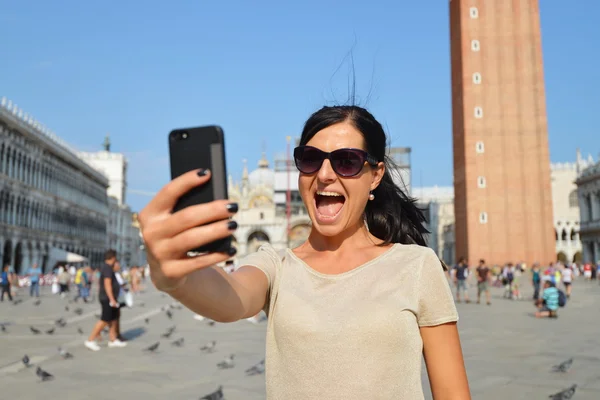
<point x="167" y="197"/>
<point x="197" y="215"/>
<point x="178" y="246"/>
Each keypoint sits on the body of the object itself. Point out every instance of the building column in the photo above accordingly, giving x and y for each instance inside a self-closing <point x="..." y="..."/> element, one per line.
<point x="595" y="257"/>
<point x="595" y="203"/>
<point x="584" y="212"/>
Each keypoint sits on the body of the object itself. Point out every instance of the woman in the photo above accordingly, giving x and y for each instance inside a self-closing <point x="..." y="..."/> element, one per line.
<point x="353" y="308"/>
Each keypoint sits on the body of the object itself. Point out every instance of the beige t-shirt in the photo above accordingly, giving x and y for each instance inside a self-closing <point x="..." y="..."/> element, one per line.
<point x="353" y="335"/>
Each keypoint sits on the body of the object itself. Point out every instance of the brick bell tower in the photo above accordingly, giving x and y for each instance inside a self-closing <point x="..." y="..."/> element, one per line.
<point x="503" y="201"/>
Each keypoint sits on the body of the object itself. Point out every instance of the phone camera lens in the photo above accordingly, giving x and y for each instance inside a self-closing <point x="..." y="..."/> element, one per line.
<point x="184" y="135"/>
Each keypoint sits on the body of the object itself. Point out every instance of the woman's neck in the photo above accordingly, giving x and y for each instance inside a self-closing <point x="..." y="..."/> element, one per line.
<point x="351" y="239"/>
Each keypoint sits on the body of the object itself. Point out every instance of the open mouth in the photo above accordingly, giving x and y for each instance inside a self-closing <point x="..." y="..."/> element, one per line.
<point x="329" y="204"/>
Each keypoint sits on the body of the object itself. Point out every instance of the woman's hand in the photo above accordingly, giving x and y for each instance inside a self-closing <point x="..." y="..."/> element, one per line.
<point x="169" y="236"/>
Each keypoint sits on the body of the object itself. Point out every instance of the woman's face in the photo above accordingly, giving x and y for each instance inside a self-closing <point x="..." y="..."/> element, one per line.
<point x="337" y="203"/>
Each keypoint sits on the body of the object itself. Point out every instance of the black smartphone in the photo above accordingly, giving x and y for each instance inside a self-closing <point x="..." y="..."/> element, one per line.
<point x="195" y="148"/>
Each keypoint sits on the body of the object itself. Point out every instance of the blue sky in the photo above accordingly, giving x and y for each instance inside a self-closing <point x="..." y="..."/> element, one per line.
<point x="138" y="69"/>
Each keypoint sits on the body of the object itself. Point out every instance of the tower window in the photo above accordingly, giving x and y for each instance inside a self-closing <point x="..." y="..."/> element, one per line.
<point x="478" y="112"/>
<point x="475" y="45"/>
<point x="474" y="12"/>
<point x="481" y="182"/>
<point x="477" y="78"/>
<point x="483" y="218"/>
<point x="479" y="147"/>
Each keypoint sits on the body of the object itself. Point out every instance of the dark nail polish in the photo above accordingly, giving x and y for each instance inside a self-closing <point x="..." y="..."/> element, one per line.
<point x="231" y="251"/>
<point x="232" y="207"/>
<point x="232" y="225"/>
<point x="203" y="172"/>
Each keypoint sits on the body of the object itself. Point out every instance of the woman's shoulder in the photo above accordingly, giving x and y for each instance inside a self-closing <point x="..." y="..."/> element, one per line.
<point x="417" y="253"/>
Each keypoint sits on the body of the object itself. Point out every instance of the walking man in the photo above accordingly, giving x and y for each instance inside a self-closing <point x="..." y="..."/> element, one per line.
<point x="5" y="283"/>
<point x="34" y="274"/>
<point x="483" y="277"/>
<point x="461" y="272"/>
<point x="107" y="294"/>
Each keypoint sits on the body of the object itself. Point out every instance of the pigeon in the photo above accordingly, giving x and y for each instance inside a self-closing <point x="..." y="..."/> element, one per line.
<point x="147" y="320"/>
<point x="169" y="332"/>
<point x="17" y="301"/>
<point x="50" y="331"/>
<point x="565" y="394"/>
<point x="80" y="331"/>
<point x="216" y="395"/>
<point x="227" y="362"/>
<point x="152" y="348"/>
<point x="64" y="354"/>
<point x="34" y="331"/>
<point x="66" y="308"/>
<point x="209" y="347"/>
<point x="563" y="366"/>
<point x="45" y="376"/>
<point x="178" y="342"/>
<point x="61" y="322"/>
<point x="169" y="314"/>
<point x="256" y="369"/>
<point x="37" y="302"/>
<point x="211" y="323"/>
<point x="26" y="360"/>
<point x="2" y="328"/>
<point x="78" y="311"/>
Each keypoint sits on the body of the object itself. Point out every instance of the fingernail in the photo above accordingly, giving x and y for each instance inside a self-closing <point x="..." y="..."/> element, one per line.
<point x="232" y="225"/>
<point x="232" y="251"/>
<point x="203" y="172"/>
<point x="232" y="207"/>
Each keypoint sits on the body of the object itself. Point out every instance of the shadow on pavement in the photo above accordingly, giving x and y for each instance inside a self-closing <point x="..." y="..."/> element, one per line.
<point x="133" y="333"/>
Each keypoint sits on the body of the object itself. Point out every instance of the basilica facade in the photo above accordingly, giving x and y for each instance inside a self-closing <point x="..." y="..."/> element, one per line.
<point x="260" y="220"/>
<point x="49" y="197"/>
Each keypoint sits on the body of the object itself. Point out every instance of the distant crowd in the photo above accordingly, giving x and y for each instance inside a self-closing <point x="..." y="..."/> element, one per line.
<point x="64" y="279"/>
<point x="546" y="282"/>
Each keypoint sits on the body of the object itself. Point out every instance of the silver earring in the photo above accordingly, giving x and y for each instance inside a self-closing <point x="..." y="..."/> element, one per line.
<point x="371" y="196"/>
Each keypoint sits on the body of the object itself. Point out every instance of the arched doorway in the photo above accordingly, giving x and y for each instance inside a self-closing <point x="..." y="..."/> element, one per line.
<point x="7" y="253"/>
<point x="562" y="257"/>
<point x="18" y="258"/>
<point x="578" y="258"/>
<point x="255" y="240"/>
<point x="298" y="235"/>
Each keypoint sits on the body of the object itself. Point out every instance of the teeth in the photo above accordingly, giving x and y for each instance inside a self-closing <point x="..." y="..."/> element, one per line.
<point x="332" y="194"/>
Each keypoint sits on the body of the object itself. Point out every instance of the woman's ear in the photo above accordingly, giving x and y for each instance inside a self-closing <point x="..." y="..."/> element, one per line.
<point x="378" y="173"/>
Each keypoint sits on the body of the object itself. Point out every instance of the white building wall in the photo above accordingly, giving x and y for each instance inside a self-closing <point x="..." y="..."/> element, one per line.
<point x="589" y="199"/>
<point x="114" y="167"/>
<point x="565" y="207"/>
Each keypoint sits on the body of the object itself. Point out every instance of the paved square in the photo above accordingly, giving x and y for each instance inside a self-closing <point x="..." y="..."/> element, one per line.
<point x="508" y="353"/>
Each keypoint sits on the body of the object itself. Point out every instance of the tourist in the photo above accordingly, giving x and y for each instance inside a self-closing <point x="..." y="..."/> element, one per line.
<point x="353" y="309"/>
<point x="548" y="304"/>
<point x="5" y="278"/>
<point x="567" y="280"/>
<point x="108" y="293"/>
<point x="64" y="279"/>
<point x="34" y="273"/>
<point x="483" y="280"/>
<point x="461" y="273"/>
<point x="536" y="279"/>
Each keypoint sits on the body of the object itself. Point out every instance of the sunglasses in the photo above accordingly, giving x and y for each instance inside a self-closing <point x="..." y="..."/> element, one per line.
<point x="345" y="162"/>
